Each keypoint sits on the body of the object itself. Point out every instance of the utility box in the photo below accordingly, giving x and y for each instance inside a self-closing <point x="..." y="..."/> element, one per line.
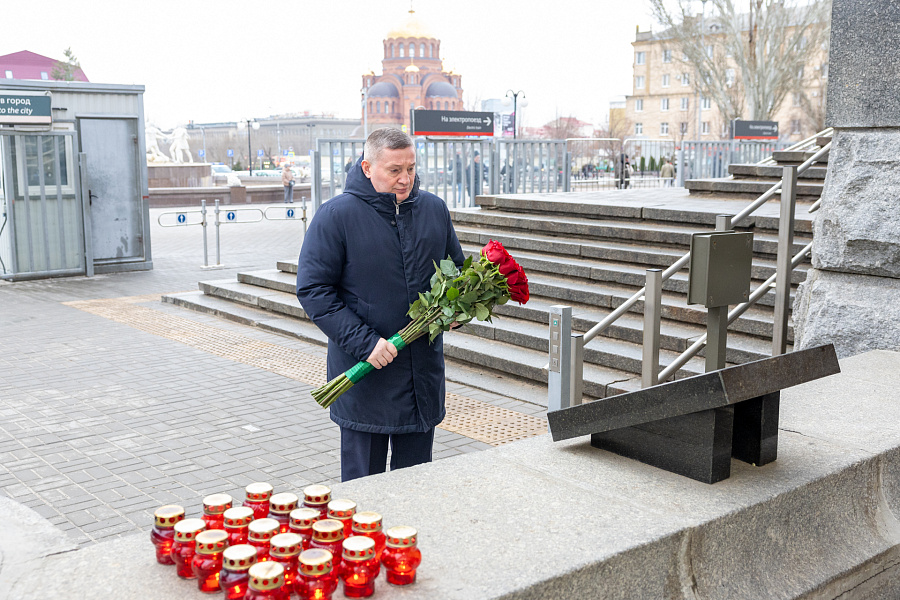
<point x="720" y="268"/>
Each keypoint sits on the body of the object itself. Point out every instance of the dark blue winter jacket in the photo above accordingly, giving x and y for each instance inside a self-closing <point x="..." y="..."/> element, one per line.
<point x="364" y="260"/>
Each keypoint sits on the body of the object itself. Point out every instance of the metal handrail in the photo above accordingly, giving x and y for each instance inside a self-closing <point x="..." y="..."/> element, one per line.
<point x="681" y="262"/>
<point x="802" y="144"/>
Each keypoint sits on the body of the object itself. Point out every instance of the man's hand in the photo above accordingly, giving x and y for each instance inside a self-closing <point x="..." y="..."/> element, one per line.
<point x="383" y="353"/>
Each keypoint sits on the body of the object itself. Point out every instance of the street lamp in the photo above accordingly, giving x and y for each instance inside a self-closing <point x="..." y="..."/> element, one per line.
<point x="249" y="124"/>
<point x="700" y="72"/>
<point x="515" y="103"/>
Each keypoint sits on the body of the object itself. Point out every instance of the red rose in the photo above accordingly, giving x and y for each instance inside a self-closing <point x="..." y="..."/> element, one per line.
<point x="518" y="289"/>
<point x="496" y="253"/>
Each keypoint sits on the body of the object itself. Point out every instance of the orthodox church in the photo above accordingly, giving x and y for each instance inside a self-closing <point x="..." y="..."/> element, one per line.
<point x="413" y="76"/>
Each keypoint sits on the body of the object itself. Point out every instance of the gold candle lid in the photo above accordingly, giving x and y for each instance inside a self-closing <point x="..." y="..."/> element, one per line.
<point x="317" y="494"/>
<point x="211" y="542"/>
<point x="366" y="522"/>
<point x="316" y="561"/>
<point x="239" y="558"/>
<point x="357" y="547"/>
<point x="402" y="536"/>
<point x="259" y="491"/>
<point x="286" y="544"/>
<point x="303" y="518"/>
<point x="216" y="504"/>
<point x="341" y="509"/>
<point x="238" y="517"/>
<point x="262" y="530"/>
<point x="187" y="529"/>
<point x="328" y="530"/>
<point x="168" y="515"/>
<point x="267" y="575"/>
<point x="283" y="503"/>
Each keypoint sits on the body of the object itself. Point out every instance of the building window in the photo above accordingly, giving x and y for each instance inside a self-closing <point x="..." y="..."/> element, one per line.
<point x="9" y="74"/>
<point x="685" y="79"/>
<point x="705" y="103"/>
<point x="412" y="49"/>
<point x="638" y="105"/>
<point x="684" y="57"/>
<point x="430" y="50"/>
<point x="44" y="75"/>
<point x="446" y="106"/>
<point x="709" y="51"/>
<point x="729" y="77"/>
<point x="392" y="51"/>
<point x="682" y="127"/>
<point x="378" y="106"/>
<point x="664" y="128"/>
<point x="402" y="50"/>
<point x="638" y="129"/>
<point x="795" y="127"/>
<point x="667" y="56"/>
<point x="640" y="58"/>
<point x="685" y="103"/>
<point x="704" y="128"/>
<point x="422" y="49"/>
<point x="796" y="99"/>
<point x="638" y="82"/>
<point x="800" y="73"/>
<point x="664" y="104"/>
<point x="665" y="80"/>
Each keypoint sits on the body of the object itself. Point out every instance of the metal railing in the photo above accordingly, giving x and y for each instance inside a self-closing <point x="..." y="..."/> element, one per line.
<point x="780" y="280"/>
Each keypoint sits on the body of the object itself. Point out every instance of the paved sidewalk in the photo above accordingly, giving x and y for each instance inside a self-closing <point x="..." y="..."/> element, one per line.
<point x="114" y="403"/>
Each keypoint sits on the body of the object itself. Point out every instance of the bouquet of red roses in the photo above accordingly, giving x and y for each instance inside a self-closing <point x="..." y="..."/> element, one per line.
<point x="456" y="296"/>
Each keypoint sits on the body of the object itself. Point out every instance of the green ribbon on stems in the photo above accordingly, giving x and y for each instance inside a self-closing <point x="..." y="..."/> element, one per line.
<point x="363" y="368"/>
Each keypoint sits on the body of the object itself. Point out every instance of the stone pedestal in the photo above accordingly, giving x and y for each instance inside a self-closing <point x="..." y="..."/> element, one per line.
<point x="171" y="175"/>
<point x="852" y="295"/>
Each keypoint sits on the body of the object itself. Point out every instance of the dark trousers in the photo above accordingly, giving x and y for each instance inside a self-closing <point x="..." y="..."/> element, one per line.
<point x="366" y="453"/>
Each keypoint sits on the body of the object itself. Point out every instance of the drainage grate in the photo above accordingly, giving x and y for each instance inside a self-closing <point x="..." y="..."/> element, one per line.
<point x="468" y="417"/>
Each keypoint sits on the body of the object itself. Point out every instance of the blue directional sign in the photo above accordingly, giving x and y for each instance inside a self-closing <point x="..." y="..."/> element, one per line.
<point x="230" y="215"/>
<point x="182" y="218"/>
<point x="284" y="152"/>
<point x="259" y="152"/>
<point x="201" y="153"/>
<point x="290" y="213"/>
<point x="230" y="152"/>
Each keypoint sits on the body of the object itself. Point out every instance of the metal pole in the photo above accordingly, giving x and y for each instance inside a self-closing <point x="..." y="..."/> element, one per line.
<point x="652" y="309"/>
<point x="249" y="149"/>
<point x="203" y="223"/>
<point x="567" y="175"/>
<point x="560" y="376"/>
<point x="218" y="244"/>
<point x="717" y="320"/>
<point x="699" y="72"/>
<point x="303" y="199"/>
<point x="783" y="260"/>
<point x="577" y="382"/>
<point x="681" y="168"/>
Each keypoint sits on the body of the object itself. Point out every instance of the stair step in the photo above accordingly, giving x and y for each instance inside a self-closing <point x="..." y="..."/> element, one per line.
<point x="774" y="172"/>
<point x="823" y="140"/>
<point x="796" y="156"/>
<point x="749" y="186"/>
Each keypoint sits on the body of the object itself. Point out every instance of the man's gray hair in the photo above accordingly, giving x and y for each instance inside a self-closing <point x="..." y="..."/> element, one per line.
<point x="385" y="138"/>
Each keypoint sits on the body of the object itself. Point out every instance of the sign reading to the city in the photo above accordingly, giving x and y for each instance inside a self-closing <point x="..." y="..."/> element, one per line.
<point x="754" y="130"/>
<point x="23" y="109"/>
<point x="453" y="122"/>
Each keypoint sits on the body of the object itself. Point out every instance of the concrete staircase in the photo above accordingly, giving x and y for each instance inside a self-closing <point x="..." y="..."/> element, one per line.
<point x="589" y="250"/>
<point x="751" y="180"/>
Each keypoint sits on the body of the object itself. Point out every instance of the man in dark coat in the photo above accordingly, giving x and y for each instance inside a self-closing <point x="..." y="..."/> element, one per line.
<point x="368" y="253"/>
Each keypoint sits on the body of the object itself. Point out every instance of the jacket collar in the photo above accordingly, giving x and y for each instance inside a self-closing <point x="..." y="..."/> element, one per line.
<point x="361" y="186"/>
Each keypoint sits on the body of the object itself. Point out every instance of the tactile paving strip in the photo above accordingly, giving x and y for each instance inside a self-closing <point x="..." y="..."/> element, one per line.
<point x="469" y="417"/>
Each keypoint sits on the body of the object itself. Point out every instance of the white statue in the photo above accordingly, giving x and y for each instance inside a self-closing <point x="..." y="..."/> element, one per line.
<point x="179" y="145"/>
<point x="152" y="135"/>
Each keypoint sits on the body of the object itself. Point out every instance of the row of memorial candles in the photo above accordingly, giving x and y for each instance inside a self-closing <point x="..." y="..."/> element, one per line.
<point x="269" y="548"/>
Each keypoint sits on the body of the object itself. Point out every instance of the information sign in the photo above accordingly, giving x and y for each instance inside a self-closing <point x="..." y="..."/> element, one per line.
<point x="453" y="122"/>
<point x="201" y="153"/>
<point x="24" y="109"/>
<point x="754" y="130"/>
<point x="230" y="152"/>
<point x="259" y="152"/>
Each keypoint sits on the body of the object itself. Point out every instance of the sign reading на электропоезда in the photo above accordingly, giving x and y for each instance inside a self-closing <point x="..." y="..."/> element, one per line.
<point x="23" y="109"/>
<point x="452" y="122"/>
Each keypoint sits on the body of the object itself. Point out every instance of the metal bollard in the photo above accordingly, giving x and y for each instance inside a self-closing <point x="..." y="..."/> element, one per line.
<point x="218" y="244"/>
<point x="559" y="378"/>
<point x="203" y="223"/>
<point x="304" y="215"/>
<point x="652" y="310"/>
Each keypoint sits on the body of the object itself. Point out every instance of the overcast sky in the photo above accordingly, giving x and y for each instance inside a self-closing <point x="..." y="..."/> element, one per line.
<point x="226" y="60"/>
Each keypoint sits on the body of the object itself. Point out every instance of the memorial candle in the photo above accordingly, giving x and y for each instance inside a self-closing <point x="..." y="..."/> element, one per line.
<point x="359" y="569"/>
<point x="266" y="581"/>
<point x="163" y="533"/>
<point x="328" y="534"/>
<point x="368" y="524"/>
<point x="343" y="511"/>
<point x="258" y="495"/>
<point x="302" y="520"/>
<point x="183" y="549"/>
<point x="286" y="547"/>
<point x="214" y="507"/>
<point x="207" y="562"/>
<point x="280" y="507"/>
<point x="236" y="521"/>
<point x="236" y="563"/>
<point x="317" y="579"/>
<point x="401" y="556"/>
<point x="317" y="497"/>
<point x="260" y="534"/>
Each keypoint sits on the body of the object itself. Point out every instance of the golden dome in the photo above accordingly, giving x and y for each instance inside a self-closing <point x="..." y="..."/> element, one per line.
<point x="411" y="68"/>
<point x="413" y="28"/>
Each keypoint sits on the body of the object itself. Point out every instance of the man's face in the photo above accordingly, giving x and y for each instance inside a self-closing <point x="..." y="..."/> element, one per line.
<point x="393" y="173"/>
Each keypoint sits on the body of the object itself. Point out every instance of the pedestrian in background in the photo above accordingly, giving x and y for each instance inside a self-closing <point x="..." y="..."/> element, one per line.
<point x="667" y="173"/>
<point x="475" y="175"/>
<point x="287" y="180"/>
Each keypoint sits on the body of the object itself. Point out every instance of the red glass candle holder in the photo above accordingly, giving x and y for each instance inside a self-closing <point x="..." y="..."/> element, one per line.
<point x="207" y="561"/>
<point x="317" y="497"/>
<point x="183" y="548"/>
<point x="163" y="533"/>
<point x="342" y="510"/>
<point x="368" y="524"/>
<point x="360" y="568"/>
<point x="258" y="495"/>
<point x="236" y="563"/>
<point x="302" y="520"/>
<point x="236" y="521"/>
<point x="286" y="548"/>
<point x="266" y="582"/>
<point x="259" y="534"/>
<point x="401" y="556"/>
<point x="328" y="534"/>
<point x="317" y="579"/>
<point x="214" y="507"/>
<point x="280" y="507"/>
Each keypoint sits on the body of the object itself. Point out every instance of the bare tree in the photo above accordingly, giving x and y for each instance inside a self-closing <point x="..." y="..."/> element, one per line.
<point x="747" y="62"/>
<point x="617" y="127"/>
<point x="65" y="70"/>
